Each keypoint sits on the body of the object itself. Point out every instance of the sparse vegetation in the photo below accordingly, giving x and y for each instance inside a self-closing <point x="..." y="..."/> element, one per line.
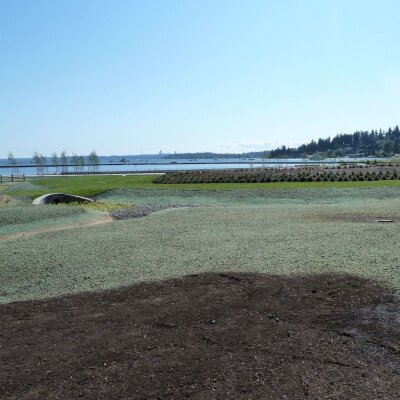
<point x="99" y="205"/>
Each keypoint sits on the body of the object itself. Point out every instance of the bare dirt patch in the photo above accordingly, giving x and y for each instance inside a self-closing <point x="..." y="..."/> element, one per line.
<point x="142" y="210"/>
<point x="353" y="217"/>
<point x="210" y="336"/>
<point x="4" y="199"/>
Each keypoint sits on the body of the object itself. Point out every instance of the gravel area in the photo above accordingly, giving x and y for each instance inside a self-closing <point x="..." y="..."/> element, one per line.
<point x="142" y="210"/>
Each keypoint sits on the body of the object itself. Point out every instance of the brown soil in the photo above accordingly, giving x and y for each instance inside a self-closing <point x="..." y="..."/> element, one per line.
<point x="352" y="217"/>
<point x="212" y="336"/>
<point x="4" y="199"/>
<point x="100" y="220"/>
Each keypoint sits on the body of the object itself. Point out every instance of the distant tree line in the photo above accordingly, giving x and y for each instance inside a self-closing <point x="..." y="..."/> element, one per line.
<point x="63" y="162"/>
<point x="360" y="143"/>
<point x="60" y="163"/>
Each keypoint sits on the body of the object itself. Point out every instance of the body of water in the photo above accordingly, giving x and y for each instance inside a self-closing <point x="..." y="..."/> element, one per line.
<point x="163" y="165"/>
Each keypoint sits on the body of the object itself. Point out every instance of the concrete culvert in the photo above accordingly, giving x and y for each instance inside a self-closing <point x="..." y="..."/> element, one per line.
<point x="56" y="198"/>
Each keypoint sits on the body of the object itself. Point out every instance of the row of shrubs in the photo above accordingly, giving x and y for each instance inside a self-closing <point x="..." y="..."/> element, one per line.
<point x="268" y="177"/>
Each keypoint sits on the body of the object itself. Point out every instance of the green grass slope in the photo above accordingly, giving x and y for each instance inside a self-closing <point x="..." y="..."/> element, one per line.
<point x="94" y="185"/>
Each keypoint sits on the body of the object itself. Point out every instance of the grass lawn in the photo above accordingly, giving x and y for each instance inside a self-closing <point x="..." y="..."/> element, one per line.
<point x="93" y="185"/>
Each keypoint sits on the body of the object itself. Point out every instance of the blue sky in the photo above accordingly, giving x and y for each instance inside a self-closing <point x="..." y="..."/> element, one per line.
<point x="132" y="77"/>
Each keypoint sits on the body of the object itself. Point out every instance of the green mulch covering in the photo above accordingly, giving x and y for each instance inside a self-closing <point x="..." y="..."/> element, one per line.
<point x="248" y="197"/>
<point x="336" y="231"/>
<point x="29" y="214"/>
<point x="20" y="218"/>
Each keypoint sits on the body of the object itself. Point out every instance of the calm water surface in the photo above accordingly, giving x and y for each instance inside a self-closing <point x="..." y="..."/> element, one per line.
<point x="162" y="165"/>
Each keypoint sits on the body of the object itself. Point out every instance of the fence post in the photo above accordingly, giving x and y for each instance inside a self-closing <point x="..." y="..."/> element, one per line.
<point x="12" y="177"/>
<point x="23" y="176"/>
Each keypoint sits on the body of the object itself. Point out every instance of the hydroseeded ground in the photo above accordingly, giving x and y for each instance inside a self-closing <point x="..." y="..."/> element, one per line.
<point x="22" y="218"/>
<point x="306" y="232"/>
<point x="249" y="197"/>
<point x="29" y="214"/>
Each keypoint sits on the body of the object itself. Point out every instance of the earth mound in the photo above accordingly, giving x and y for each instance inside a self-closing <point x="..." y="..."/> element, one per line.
<point x="208" y="336"/>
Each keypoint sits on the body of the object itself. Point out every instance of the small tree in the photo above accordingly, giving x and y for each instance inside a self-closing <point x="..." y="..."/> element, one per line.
<point x="80" y="163"/>
<point x="388" y="146"/>
<point x="64" y="162"/>
<point x="13" y="162"/>
<point x="43" y="163"/>
<point x="94" y="161"/>
<point x="38" y="160"/>
<point x="74" y="162"/>
<point x="55" y="162"/>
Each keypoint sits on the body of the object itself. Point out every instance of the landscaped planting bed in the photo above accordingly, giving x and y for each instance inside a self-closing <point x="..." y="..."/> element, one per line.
<point x="301" y="174"/>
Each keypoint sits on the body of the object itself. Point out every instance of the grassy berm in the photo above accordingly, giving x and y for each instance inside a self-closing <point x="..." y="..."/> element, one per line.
<point x="317" y="231"/>
<point x="24" y="218"/>
<point x="252" y="294"/>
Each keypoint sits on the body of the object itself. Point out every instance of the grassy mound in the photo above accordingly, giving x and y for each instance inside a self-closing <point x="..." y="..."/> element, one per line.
<point x="283" y="237"/>
<point x="26" y="218"/>
<point x="30" y="214"/>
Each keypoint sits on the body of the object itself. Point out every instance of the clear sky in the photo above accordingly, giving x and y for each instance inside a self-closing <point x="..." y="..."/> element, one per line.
<point x="132" y="77"/>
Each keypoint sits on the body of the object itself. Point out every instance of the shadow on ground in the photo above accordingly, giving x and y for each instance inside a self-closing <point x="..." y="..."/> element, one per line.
<point x="208" y="336"/>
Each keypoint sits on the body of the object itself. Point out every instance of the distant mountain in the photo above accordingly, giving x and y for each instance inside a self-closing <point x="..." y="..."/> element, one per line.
<point x="209" y="155"/>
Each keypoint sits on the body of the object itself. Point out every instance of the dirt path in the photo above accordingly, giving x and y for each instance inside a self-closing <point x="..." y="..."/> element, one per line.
<point x="212" y="336"/>
<point x="100" y="220"/>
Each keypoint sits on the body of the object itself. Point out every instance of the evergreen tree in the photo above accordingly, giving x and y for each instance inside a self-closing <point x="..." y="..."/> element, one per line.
<point x="360" y="142"/>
